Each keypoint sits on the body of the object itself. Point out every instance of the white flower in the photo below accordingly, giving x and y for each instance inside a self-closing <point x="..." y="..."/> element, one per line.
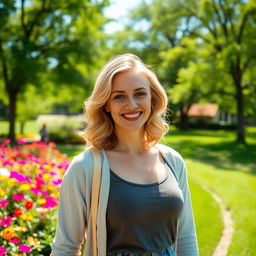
<point x="4" y="172"/>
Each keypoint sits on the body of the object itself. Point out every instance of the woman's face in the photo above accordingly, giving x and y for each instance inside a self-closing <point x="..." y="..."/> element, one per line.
<point x="130" y="101"/>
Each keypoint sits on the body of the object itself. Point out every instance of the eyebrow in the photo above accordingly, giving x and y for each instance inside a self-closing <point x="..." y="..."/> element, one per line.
<point x="138" y="89"/>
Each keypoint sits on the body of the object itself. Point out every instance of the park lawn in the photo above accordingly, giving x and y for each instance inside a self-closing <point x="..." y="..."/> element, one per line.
<point x="228" y="169"/>
<point x="205" y="208"/>
<point x="31" y="127"/>
<point x="70" y="150"/>
<point x="236" y="187"/>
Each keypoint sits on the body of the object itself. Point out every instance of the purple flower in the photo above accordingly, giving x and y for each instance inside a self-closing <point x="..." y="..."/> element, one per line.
<point x="6" y="222"/>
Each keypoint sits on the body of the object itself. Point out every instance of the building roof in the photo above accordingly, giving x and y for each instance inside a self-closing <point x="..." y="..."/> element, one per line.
<point x="207" y="110"/>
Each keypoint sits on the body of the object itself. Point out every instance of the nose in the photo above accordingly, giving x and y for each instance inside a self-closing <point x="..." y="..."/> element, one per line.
<point x="132" y="102"/>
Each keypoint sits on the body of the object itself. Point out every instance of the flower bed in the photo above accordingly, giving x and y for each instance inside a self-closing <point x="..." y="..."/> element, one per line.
<point x="30" y="178"/>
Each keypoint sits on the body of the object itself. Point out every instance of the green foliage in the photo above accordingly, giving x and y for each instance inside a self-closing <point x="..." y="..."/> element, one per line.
<point x="206" y="51"/>
<point x="48" y="40"/>
<point x="65" y="136"/>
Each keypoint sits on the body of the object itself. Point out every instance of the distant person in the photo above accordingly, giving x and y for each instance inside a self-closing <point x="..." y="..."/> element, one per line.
<point x="44" y="134"/>
<point x="144" y="203"/>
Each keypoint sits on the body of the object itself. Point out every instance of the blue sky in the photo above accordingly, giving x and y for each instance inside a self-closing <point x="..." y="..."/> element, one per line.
<point x="118" y="10"/>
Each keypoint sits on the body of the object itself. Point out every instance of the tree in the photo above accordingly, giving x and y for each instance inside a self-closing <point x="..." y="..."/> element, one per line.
<point x="225" y="30"/>
<point x="41" y="35"/>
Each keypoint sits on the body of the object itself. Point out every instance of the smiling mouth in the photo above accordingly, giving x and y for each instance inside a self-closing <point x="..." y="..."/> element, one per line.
<point x="132" y="116"/>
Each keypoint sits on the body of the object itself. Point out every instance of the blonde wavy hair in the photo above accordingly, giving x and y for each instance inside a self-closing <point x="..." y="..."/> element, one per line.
<point x="100" y="129"/>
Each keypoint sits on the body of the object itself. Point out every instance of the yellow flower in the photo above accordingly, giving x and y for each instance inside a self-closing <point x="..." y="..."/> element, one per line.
<point x="20" y="229"/>
<point x="41" y="201"/>
<point x="50" y="188"/>
<point x="47" y="167"/>
<point x="8" y="233"/>
<point x="61" y="171"/>
<point x="2" y="192"/>
<point x="33" y="241"/>
<point x="26" y="216"/>
<point x="13" y="182"/>
<point x="15" y="254"/>
<point x="46" y="176"/>
<point x="56" y="194"/>
<point x="3" y="177"/>
<point x="25" y="187"/>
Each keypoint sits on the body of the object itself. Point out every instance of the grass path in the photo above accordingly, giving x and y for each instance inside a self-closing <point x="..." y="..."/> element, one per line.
<point x="228" y="228"/>
<point x="237" y="190"/>
<point x="205" y="207"/>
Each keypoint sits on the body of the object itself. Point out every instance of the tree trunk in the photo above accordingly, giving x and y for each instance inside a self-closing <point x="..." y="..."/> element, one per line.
<point x="184" y="117"/>
<point x="12" y="115"/>
<point x="240" y="137"/>
<point x="236" y="74"/>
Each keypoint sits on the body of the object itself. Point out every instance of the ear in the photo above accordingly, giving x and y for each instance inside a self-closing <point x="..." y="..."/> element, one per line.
<point x="107" y="108"/>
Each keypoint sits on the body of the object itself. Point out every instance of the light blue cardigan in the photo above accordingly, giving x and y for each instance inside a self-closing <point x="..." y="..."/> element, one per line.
<point x="74" y="220"/>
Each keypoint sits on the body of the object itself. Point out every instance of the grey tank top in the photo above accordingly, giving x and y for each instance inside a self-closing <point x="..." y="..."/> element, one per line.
<point x="142" y="218"/>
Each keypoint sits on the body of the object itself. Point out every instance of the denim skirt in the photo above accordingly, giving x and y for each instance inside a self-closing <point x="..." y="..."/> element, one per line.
<point x="166" y="252"/>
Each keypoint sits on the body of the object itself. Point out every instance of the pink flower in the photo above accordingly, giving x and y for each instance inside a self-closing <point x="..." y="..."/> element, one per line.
<point x="24" y="248"/>
<point x="50" y="202"/>
<point x="18" y="197"/>
<point x="6" y="222"/>
<point x="3" y="251"/>
<point x="3" y="203"/>
<point x="20" y="177"/>
<point x="57" y="182"/>
<point x="15" y="240"/>
<point x="5" y="143"/>
<point x="22" y="141"/>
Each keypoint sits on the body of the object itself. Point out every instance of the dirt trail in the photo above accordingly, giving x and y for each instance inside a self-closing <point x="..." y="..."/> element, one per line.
<point x="222" y="247"/>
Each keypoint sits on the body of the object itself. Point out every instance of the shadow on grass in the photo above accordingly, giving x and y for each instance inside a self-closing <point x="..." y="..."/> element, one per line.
<point x="227" y="155"/>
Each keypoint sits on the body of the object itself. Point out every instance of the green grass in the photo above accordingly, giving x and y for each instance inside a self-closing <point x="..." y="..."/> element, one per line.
<point x="226" y="167"/>
<point x="205" y="208"/>
<point x="70" y="150"/>
<point x="31" y="127"/>
<point x="237" y="190"/>
<point x="214" y="146"/>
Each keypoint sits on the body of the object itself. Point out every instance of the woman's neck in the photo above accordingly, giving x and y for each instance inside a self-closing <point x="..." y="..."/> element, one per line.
<point x="130" y="141"/>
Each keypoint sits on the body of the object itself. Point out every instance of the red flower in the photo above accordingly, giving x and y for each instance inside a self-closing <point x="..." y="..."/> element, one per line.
<point x="28" y="204"/>
<point x="17" y="212"/>
<point x="14" y="240"/>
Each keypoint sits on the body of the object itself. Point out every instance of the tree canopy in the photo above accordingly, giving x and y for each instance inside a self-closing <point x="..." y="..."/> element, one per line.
<point x="60" y="38"/>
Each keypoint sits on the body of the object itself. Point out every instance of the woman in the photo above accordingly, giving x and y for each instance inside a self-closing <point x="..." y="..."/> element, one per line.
<point x="144" y="202"/>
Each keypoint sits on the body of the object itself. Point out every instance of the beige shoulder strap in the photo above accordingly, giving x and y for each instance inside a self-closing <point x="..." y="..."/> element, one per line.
<point x="96" y="181"/>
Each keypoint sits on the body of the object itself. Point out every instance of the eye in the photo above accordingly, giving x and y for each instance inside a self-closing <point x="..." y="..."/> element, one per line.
<point x="119" y="97"/>
<point x="140" y="94"/>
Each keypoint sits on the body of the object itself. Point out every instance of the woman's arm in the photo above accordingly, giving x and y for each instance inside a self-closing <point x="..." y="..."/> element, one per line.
<point x="72" y="221"/>
<point x="187" y="239"/>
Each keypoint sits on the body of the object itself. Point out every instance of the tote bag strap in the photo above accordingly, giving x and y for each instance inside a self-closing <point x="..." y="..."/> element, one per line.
<point x="96" y="180"/>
